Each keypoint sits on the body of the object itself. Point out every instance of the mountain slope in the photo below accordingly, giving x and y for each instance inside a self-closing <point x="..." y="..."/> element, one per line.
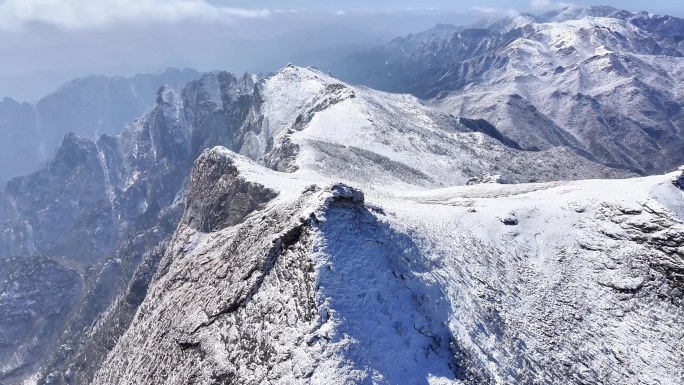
<point x="324" y="285"/>
<point x="268" y="284"/>
<point x="114" y="203"/>
<point x="36" y="297"/>
<point x="107" y="206"/>
<point x="598" y="80"/>
<point x="298" y="119"/>
<point x="391" y="139"/>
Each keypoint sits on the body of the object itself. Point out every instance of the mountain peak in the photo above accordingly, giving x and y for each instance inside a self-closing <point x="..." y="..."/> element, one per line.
<point x="576" y="12"/>
<point x="167" y="96"/>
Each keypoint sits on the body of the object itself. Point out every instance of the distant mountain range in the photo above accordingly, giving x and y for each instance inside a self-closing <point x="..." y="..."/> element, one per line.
<point x="598" y="80"/>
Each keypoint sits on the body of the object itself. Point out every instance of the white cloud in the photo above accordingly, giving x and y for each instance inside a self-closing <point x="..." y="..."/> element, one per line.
<point x="547" y="4"/>
<point x="540" y="4"/>
<point x="83" y="14"/>
<point x="500" y="11"/>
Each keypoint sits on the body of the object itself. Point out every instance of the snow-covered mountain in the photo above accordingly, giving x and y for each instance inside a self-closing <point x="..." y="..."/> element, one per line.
<point x="597" y="80"/>
<point x="323" y="241"/>
<point x="296" y="229"/>
<point x="299" y="118"/>
<point x="270" y="281"/>
<point x="293" y="277"/>
<point x="90" y="107"/>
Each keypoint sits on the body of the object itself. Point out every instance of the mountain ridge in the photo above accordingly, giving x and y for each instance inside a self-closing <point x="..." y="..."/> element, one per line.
<point x="114" y="203"/>
<point x="293" y="306"/>
<point x="535" y="81"/>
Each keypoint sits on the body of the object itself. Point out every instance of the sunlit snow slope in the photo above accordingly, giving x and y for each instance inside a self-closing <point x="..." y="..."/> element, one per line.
<point x="322" y="125"/>
<point x="564" y="282"/>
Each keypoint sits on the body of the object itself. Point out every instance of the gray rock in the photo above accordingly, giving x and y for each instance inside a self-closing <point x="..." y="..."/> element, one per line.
<point x="486" y="179"/>
<point x="36" y="298"/>
<point x="679" y="179"/>
<point x="218" y="197"/>
<point x="89" y="107"/>
<point x="509" y="219"/>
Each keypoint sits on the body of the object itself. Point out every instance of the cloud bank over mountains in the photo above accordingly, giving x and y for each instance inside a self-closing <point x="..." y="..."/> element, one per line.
<point x="77" y="14"/>
<point x="44" y="43"/>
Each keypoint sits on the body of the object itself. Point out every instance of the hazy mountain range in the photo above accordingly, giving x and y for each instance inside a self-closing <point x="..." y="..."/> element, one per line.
<point x="90" y="106"/>
<point x="598" y="80"/>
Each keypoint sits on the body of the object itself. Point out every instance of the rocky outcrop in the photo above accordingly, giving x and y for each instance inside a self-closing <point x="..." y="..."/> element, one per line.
<point x="255" y="303"/>
<point x="147" y="169"/>
<point x="678" y="180"/>
<point x="36" y="297"/>
<point x="211" y="292"/>
<point x="218" y="197"/>
<point x="486" y="179"/>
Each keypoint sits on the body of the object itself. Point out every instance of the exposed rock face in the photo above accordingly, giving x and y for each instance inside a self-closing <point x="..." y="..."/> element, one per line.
<point x="678" y="180"/>
<point x="89" y="107"/>
<point x="36" y="297"/>
<point x="94" y="195"/>
<point x="57" y="210"/>
<point x="218" y="197"/>
<point x="112" y="297"/>
<point x="117" y="198"/>
<point x="256" y="308"/>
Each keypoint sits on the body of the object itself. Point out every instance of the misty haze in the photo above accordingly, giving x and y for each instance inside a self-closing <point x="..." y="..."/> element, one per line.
<point x="305" y="192"/>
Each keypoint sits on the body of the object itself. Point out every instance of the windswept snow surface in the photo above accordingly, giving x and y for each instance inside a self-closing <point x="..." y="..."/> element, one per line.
<point x="370" y="137"/>
<point x="573" y="292"/>
<point x="420" y="286"/>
